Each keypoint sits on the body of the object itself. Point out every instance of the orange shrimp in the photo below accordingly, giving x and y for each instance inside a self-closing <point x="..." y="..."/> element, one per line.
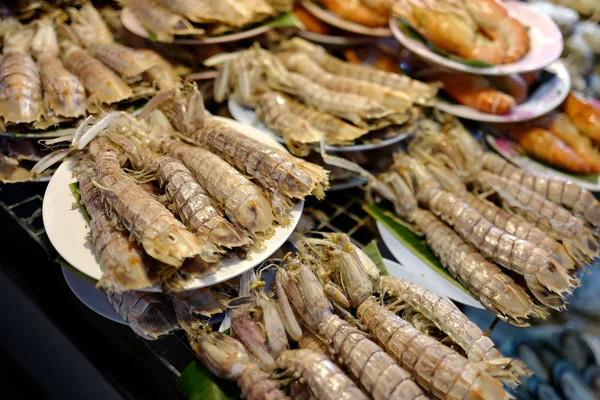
<point x="382" y="62"/>
<point x="357" y="12"/>
<point x="562" y="127"/>
<point x="351" y="56"/>
<point x="473" y="29"/>
<point x="312" y="23"/>
<point x="513" y="84"/>
<point x="584" y="115"/>
<point x="542" y="144"/>
<point x="476" y="92"/>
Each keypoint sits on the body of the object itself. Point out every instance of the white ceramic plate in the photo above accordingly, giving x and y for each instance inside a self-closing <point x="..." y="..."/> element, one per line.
<point x="339" y="22"/>
<point x="546" y="44"/>
<point x="508" y="150"/>
<point x="133" y="25"/>
<point x="545" y="99"/>
<point x="247" y="116"/>
<point x="406" y="273"/>
<point x="67" y="229"/>
<point x="428" y="277"/>
<point x="93" y="298"/>
<point x="332" y="40"/>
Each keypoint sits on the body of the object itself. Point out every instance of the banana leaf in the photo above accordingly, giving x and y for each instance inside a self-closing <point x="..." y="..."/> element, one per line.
<point x="286" y="20"/>
<point x="372" y="251"/>
<point x="198" y="383"/>
<point x="411" y="33"/>
<point x="415" y="243"/>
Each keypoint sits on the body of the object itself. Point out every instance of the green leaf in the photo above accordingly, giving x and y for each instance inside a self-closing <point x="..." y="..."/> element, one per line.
<point x="198" y="383"/>
<point x="286" y="20"/>
<point x="75" y="190"/>
<point x="414" y="243"/>
<point x="411" y="33"/>
<point x="65" y="264"/>
<point x="372" y="251"/>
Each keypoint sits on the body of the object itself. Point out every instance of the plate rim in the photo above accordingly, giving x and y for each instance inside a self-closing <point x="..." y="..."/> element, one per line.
<point x="70" y="279"/>
<point x="204" y="281"/>
<point x="334" y="40"/>
<point x="594" y="188"/>
<point x="338" y="22"/>
<point x="475" y="303"/>
<point x="557" y="67"/>
<point x="128" y="17"/>
<point x="329" y="148"/>
<point x="502" y="69"/>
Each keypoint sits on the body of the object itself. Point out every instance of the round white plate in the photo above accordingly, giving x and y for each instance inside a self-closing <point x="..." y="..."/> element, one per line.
<point x="47" y="134"/>
<point x="247" y="116"/>
<point x="546" y="44"/>
<point x="545" y="99"/>
<point x="347" y="184"/>
<point x="401" y="271"/>
<point x="429" y="278"/>
<point x="337" y="21"/>
<point x="67" y="228"/>
<point x="508" y="150"/>
<point x="332" y="40"/>
<point x="133" y="25"/>
<point x="93" y="298"/>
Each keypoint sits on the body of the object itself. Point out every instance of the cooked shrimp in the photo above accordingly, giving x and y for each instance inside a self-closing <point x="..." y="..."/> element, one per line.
<point x="513" y="85"/>
<point x="542" y="144"/>
<point x="562" y="126"/>
<point x="311" y="22"/>
<point x="477" y="92"/>
<point x="584" y="115"/>
<point x="356" y="11"/>
<point x="473" y="29"/>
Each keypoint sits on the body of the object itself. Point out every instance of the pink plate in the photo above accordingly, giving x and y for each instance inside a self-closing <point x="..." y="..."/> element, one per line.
<point x="546" y="44"/>
<point x="132" y="24"/>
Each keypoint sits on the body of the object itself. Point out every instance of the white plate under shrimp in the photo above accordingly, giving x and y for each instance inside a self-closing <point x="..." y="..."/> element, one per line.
<point x="546" y="98"/>
<point x="248" y="116"/>
<point x="129" y="21"/>
<point x="67" y="228"/>
<point x="427" y="276"/>
<point x="336" y="41"/>
<point x="508" y="149"/>
<point x="96" y="300"/>
<point x="341" y="23"/>
<point x="546" y="44"/>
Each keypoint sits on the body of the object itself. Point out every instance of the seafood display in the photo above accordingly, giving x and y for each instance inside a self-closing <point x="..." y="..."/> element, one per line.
<point x="479" y="30"/>
<point x="56" y="72"/>
<point x="304" y="343"/>
<point x="305" y="95"/>
<point x="165" y="20"/>
<point x="546" y="238"/>
<point x="164" y="211"/>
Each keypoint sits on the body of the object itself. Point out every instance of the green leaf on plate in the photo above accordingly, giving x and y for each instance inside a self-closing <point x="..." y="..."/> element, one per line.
<point x="65" y="264"/>
<point x="372" y="251"/>
<point x="198" y="383"/>
<point x="412" y="34"/>
<point x="75" y="190"/>
<point x="413" y="242"/>
<point x="286" y="20"/>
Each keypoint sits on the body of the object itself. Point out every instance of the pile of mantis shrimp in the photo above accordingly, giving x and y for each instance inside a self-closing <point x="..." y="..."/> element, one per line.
<point x="175" y="190"/>
<point x="306" y="96"/>
<point x="328" y="326"/>
<point x="517" y="240"/>
<point x="52" y="72"/>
